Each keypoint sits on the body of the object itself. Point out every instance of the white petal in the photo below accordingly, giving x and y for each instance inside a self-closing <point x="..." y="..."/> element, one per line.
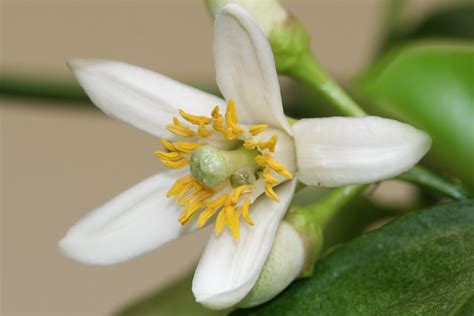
<point x="228" y="269"/>
<point x="133" y="223"/>
<point x="140" y="97"/>
<point x="338" y="151"/>
<point x="245" y="68"/>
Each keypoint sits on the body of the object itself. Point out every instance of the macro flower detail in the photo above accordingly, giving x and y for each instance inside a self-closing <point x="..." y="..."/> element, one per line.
<point x="220" y="180"/>
<point x="231" y="161"/>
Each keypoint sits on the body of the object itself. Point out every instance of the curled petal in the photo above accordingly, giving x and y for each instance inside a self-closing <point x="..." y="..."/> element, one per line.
<point x="339" y="151"/>
<point x="245" y="68"/>
<point x="140" y="97"/>
<point x="228" y="269"/>
<point x="133" y="223"/>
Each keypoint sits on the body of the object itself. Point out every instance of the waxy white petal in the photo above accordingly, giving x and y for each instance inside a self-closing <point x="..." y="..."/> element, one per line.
<point x="140" y="97"/>
<point x="228" y="269"/>
<point x="133" y="223"/>
<point x="245" y="68"/>
<point x="339" y="151"/>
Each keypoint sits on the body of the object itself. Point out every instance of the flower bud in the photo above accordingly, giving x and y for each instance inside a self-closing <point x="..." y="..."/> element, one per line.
<point x="294" y="251"/>
<point x="267" y="13"/>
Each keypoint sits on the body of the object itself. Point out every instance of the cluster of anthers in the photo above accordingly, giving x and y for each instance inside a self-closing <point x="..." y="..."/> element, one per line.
<point x="233" y="172"/>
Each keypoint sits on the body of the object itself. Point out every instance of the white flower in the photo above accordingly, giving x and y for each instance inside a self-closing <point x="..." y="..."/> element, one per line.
<point x="329" y="152"/>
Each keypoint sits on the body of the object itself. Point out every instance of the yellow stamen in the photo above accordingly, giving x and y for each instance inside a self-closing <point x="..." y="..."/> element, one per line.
<point x="257" y="129"/>
<point x="235" y="195"/>
<point x="220" y="223"/>
<point x="270" y="144"/>
<point x="244" y="209"/>
<point x="211" y="208"/>
<point x="233" y="130"/>
<point x="266" y="160"/>
<point x="218" y="122"/>
<point x="250" y="144"/>
<point x="270" y="193"/>
<point x="189" y="212"/>
<point x="167" y="145"/>
<point x="179" y="129"/>
<point x="203" y="131"/>
<point x="192" y="194"/>
<point x="178" y="185"/>
<point x="195" y="119"/>
<point x="187" y="147"/>
<point x="175" y="164"/>
<point x="168" y="156"/>
<point x="267" y="175"/>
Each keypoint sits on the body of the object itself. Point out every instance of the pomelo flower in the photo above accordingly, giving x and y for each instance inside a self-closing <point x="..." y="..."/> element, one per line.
<point x="233" y="163"/>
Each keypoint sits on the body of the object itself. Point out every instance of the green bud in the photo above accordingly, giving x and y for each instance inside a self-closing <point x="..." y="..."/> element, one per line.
<point x="267" y="13"/>
<point x="290" y="43"/>
<point x="208" y="166"/>
<point x="295" y="249"/>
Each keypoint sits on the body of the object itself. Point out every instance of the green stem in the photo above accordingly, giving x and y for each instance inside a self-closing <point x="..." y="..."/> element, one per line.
<point x="427" y="179"/>
<point x="40" y="87"/>
<point x="324" y="210"/>
<point x="308" y="71"/>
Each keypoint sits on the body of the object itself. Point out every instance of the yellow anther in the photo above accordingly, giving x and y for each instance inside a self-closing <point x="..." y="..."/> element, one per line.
<point x="267" y="175"/>
<point x="195" y="119"/>
<point x="175" y="164"/>
<point x="179" y="129"/>
<point x="220" y="223"/>
<point x="218" y="122"/>
<point x="244" y="209"/>
<point x="219" y="202"/>
<point x="270" y="193"/>
<point x="211" y="209"/>
<point x="233" y="130"/>
<point x="187" y="147"/>
<point x="203" y="131"/>
<point x="179" y="184"/>
<point x="267" y="161"/>
<point x="257" y="129"/>
<point x="235" y="195"/>
<point x="231" y="113"/>
<point x="189" y="212"/>
<point x="269" y="144"/>
<point x="167" y="145"/>
<point x="197" y="196"/>
<point x="168" y="156"/>
<point x="235" y="224"/>
<point x="250" y="144"/>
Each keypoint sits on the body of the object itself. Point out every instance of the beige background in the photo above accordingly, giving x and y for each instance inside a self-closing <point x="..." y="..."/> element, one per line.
<point x="58" y="162"/>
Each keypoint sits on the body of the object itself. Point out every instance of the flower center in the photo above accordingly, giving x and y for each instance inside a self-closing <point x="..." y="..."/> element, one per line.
<point x="212" y="166"/>
<point x="221" y="180"/>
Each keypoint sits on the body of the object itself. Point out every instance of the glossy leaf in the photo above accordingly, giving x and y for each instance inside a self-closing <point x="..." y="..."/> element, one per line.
<point x="175" y="300"/>
<point x="421" y="264"/>
<point x="431" y="86"/>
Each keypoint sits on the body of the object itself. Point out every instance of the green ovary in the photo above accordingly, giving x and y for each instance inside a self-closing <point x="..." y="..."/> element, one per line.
<point x="212" y="166"/>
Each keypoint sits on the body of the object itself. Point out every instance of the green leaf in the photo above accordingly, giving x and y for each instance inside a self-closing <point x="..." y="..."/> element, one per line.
<point x="421" y="264"/>
<point x="431" y="86"/>
<point x="176" y="300"/>
<point x="452" y="21"/>
<point x="456" y="22"/>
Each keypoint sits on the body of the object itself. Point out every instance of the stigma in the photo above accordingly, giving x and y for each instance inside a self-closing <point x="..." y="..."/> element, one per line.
<point x="220" y="182"/>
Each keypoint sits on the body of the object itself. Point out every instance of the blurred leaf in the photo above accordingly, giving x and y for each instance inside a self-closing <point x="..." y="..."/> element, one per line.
<point x="455" y="22"/>
<point x="420" y="264"/>
<point x="452" y="21"/>
<point x="431" y="86"/>
<point x="176" y="300"/>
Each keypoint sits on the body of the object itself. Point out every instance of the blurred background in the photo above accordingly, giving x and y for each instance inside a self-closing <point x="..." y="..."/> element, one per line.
<point x="60" y="157"/>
